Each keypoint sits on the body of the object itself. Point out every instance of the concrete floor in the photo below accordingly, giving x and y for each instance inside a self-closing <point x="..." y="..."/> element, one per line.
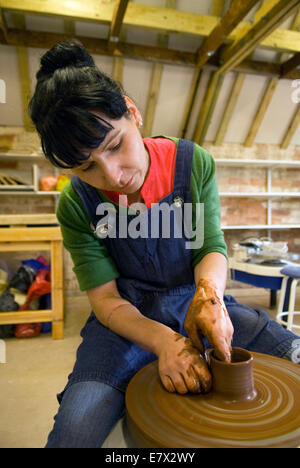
<point x="36" y="369"/>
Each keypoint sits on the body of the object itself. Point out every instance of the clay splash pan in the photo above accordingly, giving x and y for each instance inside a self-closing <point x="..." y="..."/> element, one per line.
<point x="259" y="408"/>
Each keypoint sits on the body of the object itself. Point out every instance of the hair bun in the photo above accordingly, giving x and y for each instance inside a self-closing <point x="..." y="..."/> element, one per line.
<point x="63" y="55"/>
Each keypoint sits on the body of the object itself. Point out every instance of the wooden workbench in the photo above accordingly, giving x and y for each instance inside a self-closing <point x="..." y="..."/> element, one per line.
<point x="38" y="238"/>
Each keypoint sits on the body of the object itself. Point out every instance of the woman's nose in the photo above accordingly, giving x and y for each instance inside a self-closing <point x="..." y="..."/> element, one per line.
<point x="112" y="172"/>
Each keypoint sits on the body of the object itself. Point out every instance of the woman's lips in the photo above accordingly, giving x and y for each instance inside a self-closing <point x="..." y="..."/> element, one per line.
<point x="128" y="184"/>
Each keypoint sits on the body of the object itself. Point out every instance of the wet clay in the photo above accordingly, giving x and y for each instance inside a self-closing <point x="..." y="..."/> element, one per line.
<point x="266" y="414"/>
<point x="233" y="381"/>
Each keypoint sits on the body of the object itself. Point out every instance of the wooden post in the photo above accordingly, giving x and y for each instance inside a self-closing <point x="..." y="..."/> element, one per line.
<point x="57" y="289"/>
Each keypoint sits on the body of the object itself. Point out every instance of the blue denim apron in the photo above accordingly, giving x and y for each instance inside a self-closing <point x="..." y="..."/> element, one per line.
<point x="156" y="276"/>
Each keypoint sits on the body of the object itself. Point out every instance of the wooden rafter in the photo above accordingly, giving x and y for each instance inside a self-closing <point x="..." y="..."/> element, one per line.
<point x="45" y="40"/>
<point x="212" y="93"/>
<point x="208" y="106"/>
<point x="272" y="14"/>
<point x="69" y="27"/>
<point x="155" y="81"/>
<point x="235" y="92"/>
<point x="153" y="18"/>
<point x="269" y="92"/>
<point x="289" y="67"/>
<point x="236" y="12"/>
<point x="3" y="26"/>
<point x="217" y="8"/>
<point x="117" y="20"/>
<point x="118" y="61"/>
<point x="195" y="86"/>
<point x="295" y="122"/>
<point x="213" y="103"/>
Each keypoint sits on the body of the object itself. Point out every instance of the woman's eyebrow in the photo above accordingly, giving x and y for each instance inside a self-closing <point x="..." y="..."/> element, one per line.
<point x="106" y="144"/>
<point x="112" y="137"/>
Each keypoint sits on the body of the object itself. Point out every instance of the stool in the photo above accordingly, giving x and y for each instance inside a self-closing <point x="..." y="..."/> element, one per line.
<point x="286" y="317"/>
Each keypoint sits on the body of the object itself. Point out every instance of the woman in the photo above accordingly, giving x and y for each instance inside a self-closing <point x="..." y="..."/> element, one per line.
<point x="151" y="296"/>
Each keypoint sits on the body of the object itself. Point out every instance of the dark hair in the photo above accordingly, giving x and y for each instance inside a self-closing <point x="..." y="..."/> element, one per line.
<point x="69" y="89"/>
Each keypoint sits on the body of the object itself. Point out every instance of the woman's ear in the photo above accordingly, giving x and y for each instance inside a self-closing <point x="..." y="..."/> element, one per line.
<point x="134" y="111"/>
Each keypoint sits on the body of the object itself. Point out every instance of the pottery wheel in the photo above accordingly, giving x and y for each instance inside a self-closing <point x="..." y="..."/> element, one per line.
<point x="156" y="418"/>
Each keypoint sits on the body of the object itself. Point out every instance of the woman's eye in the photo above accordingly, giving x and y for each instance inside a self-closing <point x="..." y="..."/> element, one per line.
<point x="88" y="167"/>
<point x="115" y="148"/>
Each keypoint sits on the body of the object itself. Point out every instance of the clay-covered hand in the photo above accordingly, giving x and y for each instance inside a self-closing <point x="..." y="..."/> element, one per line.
<point x="181" y="367"/>
<point x="208" y="316"/>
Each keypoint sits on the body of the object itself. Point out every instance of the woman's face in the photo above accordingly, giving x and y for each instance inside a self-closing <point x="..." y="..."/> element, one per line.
<point x="121" y="162"/>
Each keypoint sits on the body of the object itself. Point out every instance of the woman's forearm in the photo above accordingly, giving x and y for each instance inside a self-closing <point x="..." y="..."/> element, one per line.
<point x="125" y="320"/>
<point x="213" y="268"/>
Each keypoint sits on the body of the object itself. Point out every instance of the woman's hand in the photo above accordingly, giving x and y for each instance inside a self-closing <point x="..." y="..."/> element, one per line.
<point x="207" y="315"/>
<point x="181" y="367"/>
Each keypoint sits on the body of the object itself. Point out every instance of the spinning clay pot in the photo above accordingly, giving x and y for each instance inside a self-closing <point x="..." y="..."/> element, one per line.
<point x="254" y="402"/>
<point x="233" y="381"/>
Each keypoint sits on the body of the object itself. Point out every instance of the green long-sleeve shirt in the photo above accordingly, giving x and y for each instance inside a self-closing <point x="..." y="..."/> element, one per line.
<point x="93" y="265"/>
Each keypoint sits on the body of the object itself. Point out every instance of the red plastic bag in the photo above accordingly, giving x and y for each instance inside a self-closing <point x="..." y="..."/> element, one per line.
<point x="40" y="286"/>
<point x="48" y="183"/>
<point x="27" y="330"/>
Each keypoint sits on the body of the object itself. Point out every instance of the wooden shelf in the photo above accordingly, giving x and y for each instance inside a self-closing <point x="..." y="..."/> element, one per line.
<point x="19" y="156"/>
<point x="26" y="316"/>
<point x="30" y="193"/>
<point x="28" y="219"/>
<point x="38" y="238"/>
<point x="261" y="226"/>
<point x="257" y="163"/>
<point x="262" y="195"/>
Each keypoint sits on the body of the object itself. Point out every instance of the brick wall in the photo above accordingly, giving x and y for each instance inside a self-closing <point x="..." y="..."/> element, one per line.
<point x="247" y="211"/>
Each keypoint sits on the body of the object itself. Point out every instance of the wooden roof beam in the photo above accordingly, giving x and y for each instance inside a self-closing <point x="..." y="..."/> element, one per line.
<point x="235" y="92"/>
<point x="207" y="108"/>
<point x="268" y="95"/>
<point x="45" y="40"/>
<point x="270" y="16"/>
<point x="3" y="27"/>
<point x="158" y="19"/>
<point x="155" y="81"/>
<point x="288" y="68"/>
<point x="217" y="7"/>
<point x="117" y="21"/>
<point x="234" y="15"/>
<point x="295" y="122"/>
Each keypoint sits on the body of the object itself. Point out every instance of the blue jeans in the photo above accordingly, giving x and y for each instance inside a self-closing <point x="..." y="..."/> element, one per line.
<point x="87" y="414"/>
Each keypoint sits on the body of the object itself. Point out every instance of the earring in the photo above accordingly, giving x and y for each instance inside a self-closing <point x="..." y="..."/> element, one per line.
<point x="140" y="124"/>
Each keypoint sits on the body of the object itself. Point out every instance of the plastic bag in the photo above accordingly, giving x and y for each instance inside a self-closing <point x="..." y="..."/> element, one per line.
<point x="48" y="183"/>
<point x="7" y="304"/>
<point x="62" y="180"/>
<point x="23" y="278"/>
<point x="40" y="286"/>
